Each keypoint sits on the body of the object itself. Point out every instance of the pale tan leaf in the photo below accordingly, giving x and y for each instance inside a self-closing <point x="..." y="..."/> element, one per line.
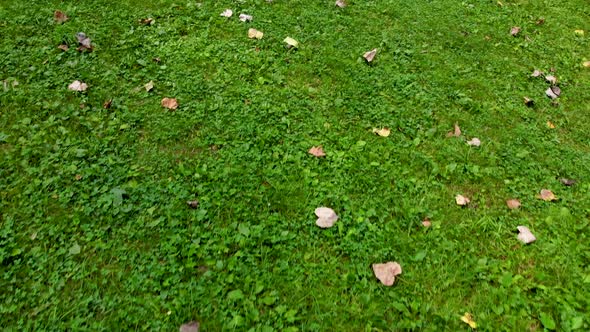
<point x="426" y="222"/>
<point x="513" y="204"/>
<point x="341" y="3"/>
<point x="525" y="235"/>
<point x="550" y="125"/>
<point x="370" y="55"/>
<point x="515" y="31"/>
<point x="245" y="18"/>
<point x="528" y="101"/>
<point x="474" y="142"/>
<point x="190" y="327"/>
<point x="386" y="272"/>
<point x="456" y="132"/>
<point x="317" y="151"/>
<point x="60" y="17"/>
<point x="462" y="200"/>
<point x="586" y="64"/>
<point x="78" y="86"/>
<point x="551" y="79"/>
<point x="547" y="195"/>
<point x="553" y="92"/>
<point x="64" y="47"/>
<point x="536" y="73"/>
<point x="467" y="318"/>
<point x="383" y="132"/>
<point x="170" y="103"/>
<point x="255" y="34"/>
<point x="567" y="182"/>
<point x="579" y="32"/>
<point x="326" y="217"/>
<point x="149" y="86"/>
<point x="291" y="42"/>
<point x="227" y="13"/>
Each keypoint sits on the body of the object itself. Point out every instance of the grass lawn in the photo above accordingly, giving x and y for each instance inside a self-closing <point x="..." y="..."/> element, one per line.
<point x="95" y="230"/>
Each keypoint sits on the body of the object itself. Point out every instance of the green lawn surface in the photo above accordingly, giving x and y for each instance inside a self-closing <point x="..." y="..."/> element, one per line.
<point x="95" y="230"/>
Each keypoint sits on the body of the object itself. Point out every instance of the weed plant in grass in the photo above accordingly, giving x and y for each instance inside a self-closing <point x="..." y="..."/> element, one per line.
<point x="95" y="230"/>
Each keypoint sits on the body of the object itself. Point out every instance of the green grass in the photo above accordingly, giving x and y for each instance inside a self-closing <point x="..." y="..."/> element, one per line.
<point x="115" y="181"/>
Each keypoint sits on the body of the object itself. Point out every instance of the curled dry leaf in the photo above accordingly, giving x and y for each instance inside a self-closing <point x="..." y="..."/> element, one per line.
<point x="540" y="21"/>
<point x="474" y="142"/>
<point x="528" y="101"/>
<point x="255" y="34"/>
<point x="579" y="32"/>
<point x="291" y="42"/>
<point x="553" y="92"/>
<point x="426" y="222"/>
<point x="547" y="195"/>
<point x="550" y="125"/>
<point x="149" y="86"/>
<point x="317" y="151"/>
<point x="536" y="73"/>
<point x="514" y="31"/>
<point x="456" y="132"/>
<point x="567" y="182"/>
<point x="467" y="318"/>
<point x="513" y="204"/>
<point x="245" y="18"/>
<point x="525" y="235"/>
<point x="227" y="13"/>
<point x="370" y="55"/>
<point x="326" y="217"/>
<point x="60" y="17"/>
<point x="383" y="132"/>
<point x="193" y="204"/>
<point x="462" y="200"/>
<point x="64" y="47"/>
<point x="586" y="64"/>
<point x="190" y="327"/>
<point x="84" y="41"/>
<point x="147" y="21"/>
<point x="78" y="86"/>
<point x="551" y="79"/>
<point x="107" y="104"/>
<point x="386" y="272"/>
<point x="341" y="3"/>
<point x="170" y="103"/>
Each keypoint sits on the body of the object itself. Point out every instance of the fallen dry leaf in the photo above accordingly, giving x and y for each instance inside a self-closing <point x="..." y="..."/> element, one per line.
<point x="456" y="132"/>
<point x="462" y="200"/>
<point x="84" y="41"/>
<point x="515" y="31"/>
<point x="60" y="17"/>
<point x="579" y="32"/>
<point x="386" y="272"/>
<point x="190" y="327"/>
<point x="547" y="195"/>
<point x="291" y="42"/>
<point x="227" y="13"/>
<point x="553" y="92"/>
<point x="525" y="235"/>
<point x="383" y="132"/>
<point x="78" y="86"/>
<point x="370" y="55"/>
<point x="567" y="182"/>
<point x="528" y="101"/>
<point x="317" y="151"/>
<point x="426" y="222"/>
<point x="341" y="3"/>
<point x="149" y="86"/>
<point x="550" y="125"/>
<point x="255" y="34"/>
<point x="326" y="217"/>
<point x="586" y="64"/>
<point x="551" y="79"/>
<point x="513" y="204"/>
<point x="170" y="103"/>
<point x="474" y="142"/>
<point x="64" y="47"/>
<point x="193" y="204"/>
<point x="536" y="73"/>
<point x="540" y="21"/>
<point x="107" y="104"/>
<point x="245" y="18"/>
<point x="467" y="318"/>
<point x="147" y="21"/>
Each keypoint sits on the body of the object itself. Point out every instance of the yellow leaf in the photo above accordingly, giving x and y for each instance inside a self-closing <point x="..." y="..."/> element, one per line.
<point x="586" y="64"/>
<point x="468" y="319"/>
<point x="383" y="132"/>
<point x="550" y="125"/>
<point x="579" y="32"/>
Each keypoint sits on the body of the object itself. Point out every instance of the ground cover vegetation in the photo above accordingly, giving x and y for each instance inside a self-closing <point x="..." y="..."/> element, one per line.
<point x="123" y="210"/>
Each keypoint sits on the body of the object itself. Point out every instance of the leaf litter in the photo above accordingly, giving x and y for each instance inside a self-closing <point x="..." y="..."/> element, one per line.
<point x="317" y="151"/>
<point x="462" y="200"/>
<point x="170" y="103"/>
<point x="525" y="235"/>
<point x="456" y="132"/>
<point x="547" y="195"/>
<point x="513" y="204"/>
<point x="370" y="55"/>
<point x="255" y="34"/>
<point x="326" y="217"/>
<point x="60" y="17"/>
<point x="383" y="132"/>
<point x="386" y="272"/>
<point x="78" y="86"/>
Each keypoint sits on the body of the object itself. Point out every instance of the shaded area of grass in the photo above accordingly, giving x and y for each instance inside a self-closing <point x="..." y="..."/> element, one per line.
<point x="115" y="181"/>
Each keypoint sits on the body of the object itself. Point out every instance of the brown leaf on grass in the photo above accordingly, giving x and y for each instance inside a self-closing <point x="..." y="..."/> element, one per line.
<point x="547" y="195"/>
<point x="149" y="86"/>
<point x="341" y="3"/>
<point x="84" y="42"/>
<point x="553" y="92"/>
<point x="317" y="151"/>
<point x="370" y="55"/>
<point x="536" y="73"/>
<point x="462" y="200"/>
<point x="567" y="182"/>
<point x="426" y="222"/>
<point x="170" y="103"/>
<point x="513" y="204"/>
<point x="586" y="64"/>
<point x="147" y="21"/>
<point x="107" y="104"/>
<point x="60" y="17"/>
<point x="64" y="47"/>
<point x="78" y="86"/>
<point x="245" y="18"/>
<point x="550" y="125"/>
<point x="326" y="217"/>
<point x="383" y="132"/>
<point x="474" y="142"/>
<point x="190" y="327"/>
<point x="514" y="31"/>
<point x="386" y="272"/>
<point x="540" y="21"/>
<point x="227" y="13"/>
<point x="528" y="101"/>
<point x="551" y="79"/>
<point x="255" y="34"/>
<point x="525" y="235"/>
<point x="456" y="132"/>
<point x="193" y="204"/>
